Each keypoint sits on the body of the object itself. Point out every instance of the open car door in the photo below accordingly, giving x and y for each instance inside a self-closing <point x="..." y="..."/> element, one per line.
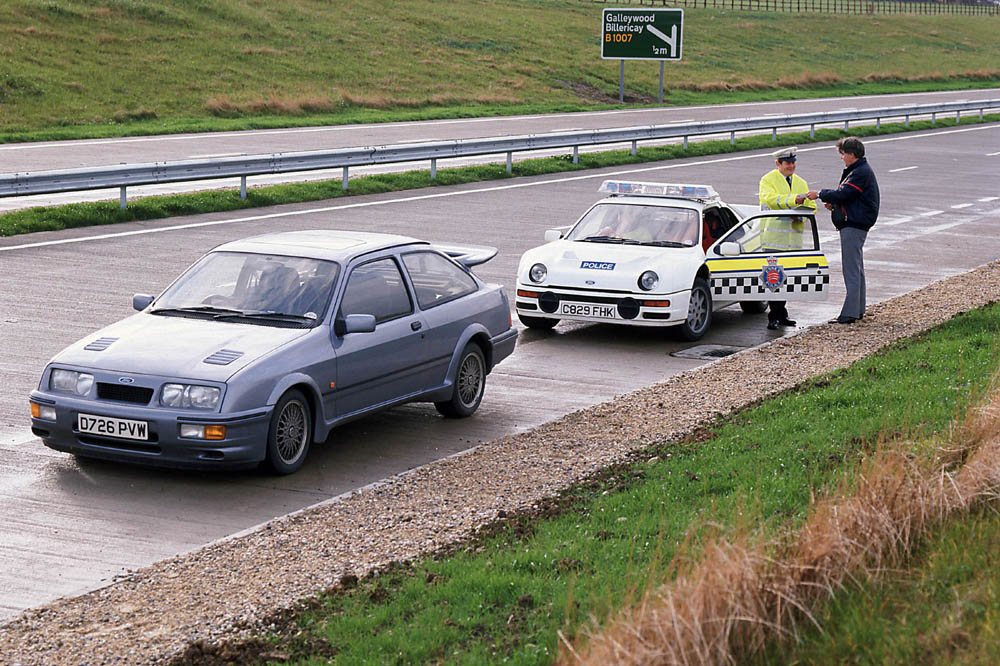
<point x="773" y="255"/>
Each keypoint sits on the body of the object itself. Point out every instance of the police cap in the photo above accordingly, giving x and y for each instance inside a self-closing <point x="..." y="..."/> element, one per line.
<point x="785" y="154"/>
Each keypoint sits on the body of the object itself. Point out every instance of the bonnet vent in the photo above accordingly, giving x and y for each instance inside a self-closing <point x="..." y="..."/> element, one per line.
<point x="223" y="357"/>
<point x="100" y="344"/>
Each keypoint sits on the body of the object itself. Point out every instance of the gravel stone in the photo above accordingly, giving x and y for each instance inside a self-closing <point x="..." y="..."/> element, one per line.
<point x="233" y="586"/>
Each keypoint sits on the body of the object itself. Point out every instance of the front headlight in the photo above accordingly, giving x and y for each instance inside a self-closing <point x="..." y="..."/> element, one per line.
<point x="648" y="281"/>
<point x="189" y="396"/>
<point x="71" y="381"/>
<point x="538" y="273"/>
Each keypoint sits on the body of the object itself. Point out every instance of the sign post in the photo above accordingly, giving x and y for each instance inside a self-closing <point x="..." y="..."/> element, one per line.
<point x="641" y="34"/>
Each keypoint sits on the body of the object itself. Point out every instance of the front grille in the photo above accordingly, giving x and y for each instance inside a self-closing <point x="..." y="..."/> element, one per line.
<point x="137" y="395"/>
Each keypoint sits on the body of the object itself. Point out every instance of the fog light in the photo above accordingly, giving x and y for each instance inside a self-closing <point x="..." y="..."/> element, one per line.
<point x="656" y="304"/>
<point x="524" y="293"/>
<point x="43" y="412"/>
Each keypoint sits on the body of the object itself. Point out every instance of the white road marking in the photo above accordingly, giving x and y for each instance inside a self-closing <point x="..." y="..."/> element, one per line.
<point x="931" y="213"/>
<point x="903" y="169"/>
<point x="962" y="205"/>
<point x="992" y="154"/>
<point x="894" y="222"/>
<point x="566" y="129"/>
<point x="198" y="157"/>
<point x="497" y="188"/>
<point x="985" y="199"/>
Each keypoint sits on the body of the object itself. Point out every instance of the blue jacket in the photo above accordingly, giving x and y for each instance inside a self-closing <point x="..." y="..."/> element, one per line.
<point x="855" y="202"/>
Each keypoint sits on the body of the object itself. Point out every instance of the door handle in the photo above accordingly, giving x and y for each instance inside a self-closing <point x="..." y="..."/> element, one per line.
<point x="415" y="326"/>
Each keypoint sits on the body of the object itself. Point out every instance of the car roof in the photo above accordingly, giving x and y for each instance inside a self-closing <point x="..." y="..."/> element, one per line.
<point x="325" y="244"/>
<point x="671" y="202"/>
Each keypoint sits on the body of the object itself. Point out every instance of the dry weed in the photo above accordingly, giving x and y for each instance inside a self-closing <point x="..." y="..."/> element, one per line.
<point x="741" y="594"/>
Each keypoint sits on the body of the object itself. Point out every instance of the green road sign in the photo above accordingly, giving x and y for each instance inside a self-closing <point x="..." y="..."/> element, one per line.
<point x="642" y="34"/>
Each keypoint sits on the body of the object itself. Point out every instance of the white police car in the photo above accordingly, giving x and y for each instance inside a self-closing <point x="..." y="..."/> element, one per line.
<point x="655" y="254"/>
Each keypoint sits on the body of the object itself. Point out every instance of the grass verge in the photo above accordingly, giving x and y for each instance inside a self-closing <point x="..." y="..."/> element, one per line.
<point x="99" y="213"/>
<point x="507" y="595"/>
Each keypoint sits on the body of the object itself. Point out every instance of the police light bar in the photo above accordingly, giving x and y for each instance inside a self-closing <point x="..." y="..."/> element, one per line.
<point x="679" y="191"/>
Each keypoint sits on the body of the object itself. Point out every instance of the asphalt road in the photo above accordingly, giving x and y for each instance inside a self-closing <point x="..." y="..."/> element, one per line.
<point x="42" y="156"/>
<point x="71" y="526"/>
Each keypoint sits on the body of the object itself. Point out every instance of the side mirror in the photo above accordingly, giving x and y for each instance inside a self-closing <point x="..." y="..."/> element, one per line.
<point x="552" y="235"/>
<point x="356" y="323"/>
<point x="730" y="249"/>
<point x="141" y="301"/>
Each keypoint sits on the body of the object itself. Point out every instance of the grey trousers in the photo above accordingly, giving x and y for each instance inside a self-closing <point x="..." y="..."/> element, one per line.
<point x="852" y="243"/>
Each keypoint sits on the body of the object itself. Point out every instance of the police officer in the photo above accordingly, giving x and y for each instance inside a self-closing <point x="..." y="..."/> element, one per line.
<point x="780" y="189"/>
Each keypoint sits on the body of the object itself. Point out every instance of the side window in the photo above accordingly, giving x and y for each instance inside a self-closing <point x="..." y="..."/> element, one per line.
<point x="775" y="234"/>
<point x="376" y="288"/>
<point x="436" y="279"/>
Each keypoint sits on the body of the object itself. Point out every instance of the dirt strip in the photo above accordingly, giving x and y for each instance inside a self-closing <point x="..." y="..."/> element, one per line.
<point x="218" y="591"/>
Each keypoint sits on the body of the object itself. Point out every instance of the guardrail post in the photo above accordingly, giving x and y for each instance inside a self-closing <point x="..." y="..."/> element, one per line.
<point x="434" y="168"/>
<point x="121" y="198"/>
<point x="907" y="123"/>
<point x="774" y="134"/>
<point x="576" y="154"/>
<point x="847" y="124"/>
<point x="343" y="179"/>
<point x="958" y="117"/>
<point x="933" y="119"/>
<point x="980" y="114"/>
<point x="685" y="142"/>
<point x="635" y="142"/>
<point x="878" y="123"/>
<point x="243" y="187"/>
<point x="510" y="165"/>
<point x="812" y="131"/>
<point x="732" y="138"/>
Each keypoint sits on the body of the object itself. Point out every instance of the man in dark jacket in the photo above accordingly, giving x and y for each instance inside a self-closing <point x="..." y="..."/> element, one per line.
<point x="854" y="206"/>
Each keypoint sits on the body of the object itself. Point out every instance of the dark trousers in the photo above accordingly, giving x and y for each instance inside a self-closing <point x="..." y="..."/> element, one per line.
<point x="776" y="311"/>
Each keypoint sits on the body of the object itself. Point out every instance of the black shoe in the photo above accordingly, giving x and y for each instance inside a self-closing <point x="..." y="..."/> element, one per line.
<point x="772" y="325"/>
<point x="843" y="320"/>
<point x="786" y="322"/>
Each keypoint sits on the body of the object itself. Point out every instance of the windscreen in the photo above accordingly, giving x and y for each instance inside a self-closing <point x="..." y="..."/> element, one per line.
<point x="614" y="222"/>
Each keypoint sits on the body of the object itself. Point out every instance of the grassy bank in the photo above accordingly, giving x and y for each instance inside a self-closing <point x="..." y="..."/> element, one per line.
<point x="100" y="213"/>
<point x="75" y="68"/>
<point x="508" y="596"/>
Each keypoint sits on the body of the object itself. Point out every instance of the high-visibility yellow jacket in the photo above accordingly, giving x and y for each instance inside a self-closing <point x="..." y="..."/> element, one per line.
<point x="775" y="193"/>
<point x="780" y="233"/>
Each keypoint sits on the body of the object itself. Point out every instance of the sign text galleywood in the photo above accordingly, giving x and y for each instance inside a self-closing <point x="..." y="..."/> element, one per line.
<point x="642" y="34"/>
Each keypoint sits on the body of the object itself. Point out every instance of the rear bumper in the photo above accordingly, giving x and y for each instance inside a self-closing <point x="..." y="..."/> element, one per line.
<point x="503" y="345"/>
<point x="244" y="445"/>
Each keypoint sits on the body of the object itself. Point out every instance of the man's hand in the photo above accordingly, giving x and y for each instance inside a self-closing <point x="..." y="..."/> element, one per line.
<point x="829" y="206"/>
<point x="812" y="194"/>
<point x="799" y="198"/>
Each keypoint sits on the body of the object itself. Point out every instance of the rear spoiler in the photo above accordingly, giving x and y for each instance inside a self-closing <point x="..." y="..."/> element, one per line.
<point x="468" y="255"/>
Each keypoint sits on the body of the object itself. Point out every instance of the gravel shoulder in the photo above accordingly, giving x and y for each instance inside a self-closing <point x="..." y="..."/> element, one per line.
<point x="218" y="591"/>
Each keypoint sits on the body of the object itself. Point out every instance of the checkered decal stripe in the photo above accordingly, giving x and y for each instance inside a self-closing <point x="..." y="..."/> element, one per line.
<point x="737" y="286"/>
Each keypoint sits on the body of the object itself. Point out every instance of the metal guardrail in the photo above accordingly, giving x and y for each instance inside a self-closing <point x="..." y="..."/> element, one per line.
<point x="130" y="175"/>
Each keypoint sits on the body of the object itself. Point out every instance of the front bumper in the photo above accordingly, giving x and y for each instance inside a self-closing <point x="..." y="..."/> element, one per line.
<point x="630" y="309"/>
<point x="244" y="445"/>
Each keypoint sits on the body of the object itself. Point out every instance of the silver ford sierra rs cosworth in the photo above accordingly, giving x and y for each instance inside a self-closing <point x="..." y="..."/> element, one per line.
<point x="265" y="344"/>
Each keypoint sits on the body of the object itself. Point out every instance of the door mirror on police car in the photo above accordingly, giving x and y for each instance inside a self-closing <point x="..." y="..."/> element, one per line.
<point x="729" y="249"/>
<point x="553" y="235"/>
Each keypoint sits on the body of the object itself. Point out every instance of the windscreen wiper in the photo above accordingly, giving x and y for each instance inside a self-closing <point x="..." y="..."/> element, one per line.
<point x="208" y="310"/>
<point x="604" y="239"/>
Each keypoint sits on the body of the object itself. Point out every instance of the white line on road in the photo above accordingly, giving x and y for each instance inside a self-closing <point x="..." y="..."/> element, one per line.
<point x="931" y="213"/>
<point x="198" y="157"/>
<point x="992" y="154"/>
<point x="898" y="220"/>
<point x="441" y="195"/>
<point x="903" y="169"/>
<point x="962" y="205"/>
<point x="986" y="199"/>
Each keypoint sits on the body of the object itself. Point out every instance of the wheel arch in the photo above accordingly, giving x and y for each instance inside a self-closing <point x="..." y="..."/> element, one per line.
<point x="307" y="387"/>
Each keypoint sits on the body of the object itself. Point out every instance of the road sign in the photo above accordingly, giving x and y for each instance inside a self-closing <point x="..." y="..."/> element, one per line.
<point x="642" y="34"/>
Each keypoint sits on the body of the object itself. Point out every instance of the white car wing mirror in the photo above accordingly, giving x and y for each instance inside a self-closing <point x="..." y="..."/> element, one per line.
<point x="729" y="249"/>
<point x="553" y="235"/>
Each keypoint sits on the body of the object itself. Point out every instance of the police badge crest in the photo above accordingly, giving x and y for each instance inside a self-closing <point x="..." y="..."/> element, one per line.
<point x="773" y="275"/>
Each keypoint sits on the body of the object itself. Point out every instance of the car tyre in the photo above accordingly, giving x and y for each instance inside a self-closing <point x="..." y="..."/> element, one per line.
<point x="699" y="312"/>
<point x="753" y="307"/>
<point x="470" y="384"/>
<point x="289" y="434"/>
<point x="537" y="323"/>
